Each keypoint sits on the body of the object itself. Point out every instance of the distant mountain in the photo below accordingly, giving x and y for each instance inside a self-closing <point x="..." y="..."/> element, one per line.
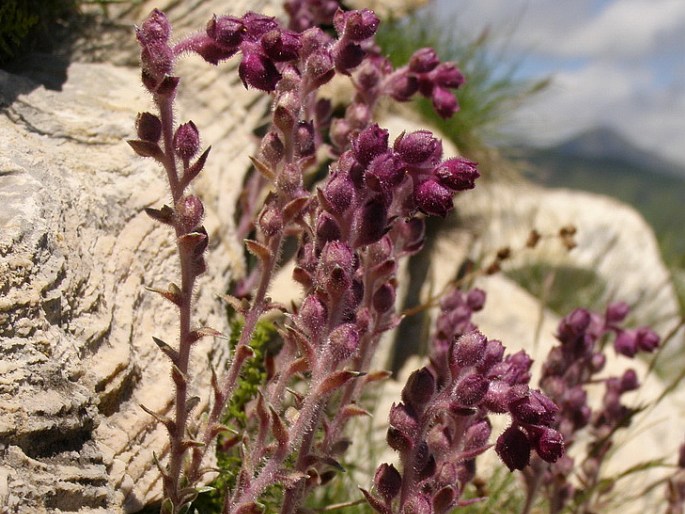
<point x="606" y="143"/>
<point x="602" y="161"/>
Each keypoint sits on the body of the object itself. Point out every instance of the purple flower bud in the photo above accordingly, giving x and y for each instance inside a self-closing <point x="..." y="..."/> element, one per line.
<point x="271" y="220"/>
<point x="281" y="45"/>
<point x="433" y="199"/>
<point x="257" y="25"/>
<point x="516" y="368"/>
<point x="575" y="323"/>
<point x="477" y="435"/>
<point x="444" y="102"/>
<point x="549" y="444"/>
<point x="226" y="31"/>
<point x="339" y="192"/>
<point x="148" y="127"/>
<point x="402" y="87"/>
<point x="370" y="222"/>
<point x="211" y="52"/>
<point x="384" y="298"/>
<point x="647" y="340"/>
<point x="457" y="174"/>
<point x="319" y="68"/>
<point x="360" y="25"/>
<point x="616" y="312"/>
<point x="419" y="147"/>
<point x="304" y="139"/>
<point x="388" y="481"/>
<point x="271" y="148"/>
<point x="629" y="381"/>
<point x="155" y="29"/>
<point x="285" y="112"/>
<point x="327" y="229"/>
<point x="475" y="299"/>
<point x="626" y="343"/>
<point x="343" y="341"/>
<point x="258" y="71"/>
<point x="468" y="350"/>
<point x="419" y="389"/>
<point x="290" y="179"/>
<point x="368" y="76"/>
<point x="447" y="75"/>
<point x="513" y="448"/>
<point x="335" y="268"/>
<point x="312" y="40"/>
<point x="423" y="60"/>
<point x="471" y="389"/>
<point x="403" y="427"/>
<point x="186" y="140"/>
<point x="312" y="316"/>
<point x="384" y="174"/>
<point x="340" y="133"/>
<point x="496" y="399"/>
<point x="370" y="143"/>
<point x="534" y="409"/>
<point x="493" y="354"/>
<point x="189" y="212"/>
<point x="348" y="57"/>
<point x="157" y="60"/>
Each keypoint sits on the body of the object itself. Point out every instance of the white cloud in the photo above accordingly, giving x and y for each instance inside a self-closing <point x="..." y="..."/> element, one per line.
<point x="620" y="64"/>
<point x="628" y="29"/>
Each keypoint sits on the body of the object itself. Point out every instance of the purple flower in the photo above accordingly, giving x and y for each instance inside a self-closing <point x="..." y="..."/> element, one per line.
<point x="370" y="143"/>
<point x="155" y="29"/>
<point x="513" y="448"/>
<point x="387" y="481"/>
<point x="281" y="45"/>
<point x="423" y="60"/>
<point x="468" y="350"/>
<point x="418" y="147"/>
<point x="226" y="31"/>
<point x="149" y="127"/>
<point x="357" y="25"/>
<point x="432" y="198"/>
<point x="457" y="174"/>
<point x="447" y="75"/>
<point x="444" y="102"/>
<point x="186" y="140"/>
<point x="258" y="71"/>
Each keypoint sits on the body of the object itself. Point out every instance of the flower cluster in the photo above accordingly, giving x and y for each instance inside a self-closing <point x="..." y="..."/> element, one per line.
<point x="441" y="425"/>
<point x="566" y="374"/>
<point x="352" y="230"/>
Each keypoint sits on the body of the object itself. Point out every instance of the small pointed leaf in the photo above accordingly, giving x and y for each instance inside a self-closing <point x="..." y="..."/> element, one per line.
<point x="263" y="169"/>
<point x="294" y="208"/>
<point x="168" y="350"/>
<point x="375" y="503"/>
<point x="146" y="149"/>
<point x="336" y="380"/>
<point x="258" y="250"/>
<point x="191" y="172"/>
<point x="163" y="215"/>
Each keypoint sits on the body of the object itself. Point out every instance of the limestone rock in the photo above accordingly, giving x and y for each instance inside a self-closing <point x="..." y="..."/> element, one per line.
<point x="76" y="256"/>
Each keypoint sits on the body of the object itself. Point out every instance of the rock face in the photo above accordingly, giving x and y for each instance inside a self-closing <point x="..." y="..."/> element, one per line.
<point x="76" y="256"/>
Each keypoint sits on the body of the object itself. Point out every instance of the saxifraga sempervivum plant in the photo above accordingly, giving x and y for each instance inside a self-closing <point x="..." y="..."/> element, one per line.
<point x="352" y="230"/>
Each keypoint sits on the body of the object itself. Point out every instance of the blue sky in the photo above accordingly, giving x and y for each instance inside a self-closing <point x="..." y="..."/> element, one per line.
<point x="619" y="63"/>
